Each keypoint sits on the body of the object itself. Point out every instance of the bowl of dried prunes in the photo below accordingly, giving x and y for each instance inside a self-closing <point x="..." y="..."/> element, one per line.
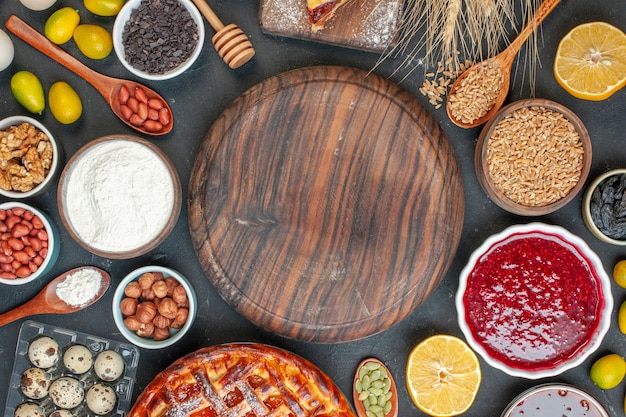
<point x="604" y="207"/>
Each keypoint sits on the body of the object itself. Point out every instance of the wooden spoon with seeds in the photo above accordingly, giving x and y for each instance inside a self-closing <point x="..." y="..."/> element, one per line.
<point x="356" y="391"/>
<point x="502" y="63"/>
<point x="230" y="42"/>
<point x="108" y="87"/>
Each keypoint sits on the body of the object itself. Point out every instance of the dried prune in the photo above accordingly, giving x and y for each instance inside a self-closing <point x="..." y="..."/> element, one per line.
<point x="608" y="207"/>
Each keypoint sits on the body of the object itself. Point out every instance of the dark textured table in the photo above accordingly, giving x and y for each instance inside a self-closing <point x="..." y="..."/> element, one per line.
<point x="197" y="99"/>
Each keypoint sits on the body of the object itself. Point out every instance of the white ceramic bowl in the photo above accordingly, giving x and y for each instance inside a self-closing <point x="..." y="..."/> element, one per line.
<point x="554" y="400"/>
<point x="518" y="328"/>
<point x="148" y="342"/>
<point x="53" y="244"/>
<point x="118" y="45"/>
<point x="119" y="212"/>
<point x="57" y="156"/>
<point x="586" y="209"/>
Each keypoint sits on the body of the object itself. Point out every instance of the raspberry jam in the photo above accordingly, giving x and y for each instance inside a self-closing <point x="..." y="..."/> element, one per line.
<point x="533" y="301"/>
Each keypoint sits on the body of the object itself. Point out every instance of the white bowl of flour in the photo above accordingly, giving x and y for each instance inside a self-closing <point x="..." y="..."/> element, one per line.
<point x="119" y="196"/>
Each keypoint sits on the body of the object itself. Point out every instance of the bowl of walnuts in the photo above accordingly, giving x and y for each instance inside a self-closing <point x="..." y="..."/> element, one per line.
<point x="154" y="306"/>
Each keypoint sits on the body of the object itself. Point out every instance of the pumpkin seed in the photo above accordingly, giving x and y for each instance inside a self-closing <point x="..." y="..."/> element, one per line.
<point x="358" y="386"/>
<point x="378" y="384"/>
<point x="363" y="395"/>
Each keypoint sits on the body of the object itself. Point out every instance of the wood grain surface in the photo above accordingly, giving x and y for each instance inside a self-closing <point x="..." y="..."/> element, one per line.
<point x="325" y="204"/>
<point x="369" y="25"/>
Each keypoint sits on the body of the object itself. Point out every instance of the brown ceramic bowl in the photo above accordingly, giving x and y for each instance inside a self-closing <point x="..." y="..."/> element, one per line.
<point x="119" y="196"/>
<point x="513" y="176"/>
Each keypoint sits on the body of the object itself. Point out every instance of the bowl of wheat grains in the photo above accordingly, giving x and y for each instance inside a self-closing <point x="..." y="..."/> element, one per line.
<point x="533" y="157"/>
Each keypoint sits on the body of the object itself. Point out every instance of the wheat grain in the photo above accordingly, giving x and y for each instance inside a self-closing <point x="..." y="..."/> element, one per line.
<point x="535" y="156"/>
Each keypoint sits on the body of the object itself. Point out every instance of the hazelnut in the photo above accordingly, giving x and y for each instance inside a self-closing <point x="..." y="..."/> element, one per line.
<point x="148" y="294"/>
<point x="132" y="290"/>
<point x="158" y="276"/>
<point x="146" y="280"/>
<point x="171" y="284"/>
<point x="160" y="289"/>
<point x="132" y="323"/>
<point x="168" y="308"/>
<point x="180" y="319"/>
<point x="161" y="322"/>
<point x="161" y="333"/>
<point x="146" y="311"/>
<point x="128" y="306"/>
<point x="145" y="330"/>
<point x="179" y="295"/>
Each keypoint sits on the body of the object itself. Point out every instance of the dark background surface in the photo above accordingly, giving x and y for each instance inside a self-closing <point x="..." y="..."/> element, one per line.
<point x="201" y="94"/>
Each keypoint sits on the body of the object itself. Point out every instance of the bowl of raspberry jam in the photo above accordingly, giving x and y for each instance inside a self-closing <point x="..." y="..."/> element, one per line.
<point x="534" y="300"/>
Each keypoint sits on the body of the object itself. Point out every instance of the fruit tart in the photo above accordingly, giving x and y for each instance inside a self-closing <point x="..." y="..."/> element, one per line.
<point x="321" y="11"/>
<point x="241" y="380"/>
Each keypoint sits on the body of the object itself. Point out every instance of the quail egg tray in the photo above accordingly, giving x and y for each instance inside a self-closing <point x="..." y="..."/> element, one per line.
<point x="30" y="330"/>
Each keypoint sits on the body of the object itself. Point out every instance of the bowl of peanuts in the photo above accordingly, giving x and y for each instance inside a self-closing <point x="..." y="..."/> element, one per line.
<point x="158" y="40"/>
<point x="29" y="243"/>
<point x="533" y="157"/>
<point x="154" y="306"/>
<point x="29" y="157"/>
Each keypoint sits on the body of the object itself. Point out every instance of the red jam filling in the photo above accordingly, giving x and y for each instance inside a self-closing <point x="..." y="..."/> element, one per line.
<point x="533" y="301"/>
<point x="322" y="10"/>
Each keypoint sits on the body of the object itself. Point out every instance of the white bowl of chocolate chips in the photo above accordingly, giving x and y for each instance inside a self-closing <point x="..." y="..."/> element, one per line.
<point x="158" y="39"/>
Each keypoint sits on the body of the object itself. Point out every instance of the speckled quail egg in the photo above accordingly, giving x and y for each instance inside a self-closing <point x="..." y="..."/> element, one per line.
<point x="66" y="392"/>
<point x="35" y="383"/>
<point x="101" y="399"/>
<point x="29" y="410"/>
<point x="43" y="352"/>
<point x="61" y="413"/>
<point x="77" y="359"/>
<point x="108" y="365"/>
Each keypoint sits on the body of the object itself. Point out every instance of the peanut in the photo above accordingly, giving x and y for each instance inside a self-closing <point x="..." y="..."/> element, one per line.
<point x="139" y="110"/>
<point x="23" y="244"/>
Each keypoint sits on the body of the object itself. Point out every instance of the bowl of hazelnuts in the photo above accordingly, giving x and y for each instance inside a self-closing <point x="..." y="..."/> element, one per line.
<point x="154" y="306"/>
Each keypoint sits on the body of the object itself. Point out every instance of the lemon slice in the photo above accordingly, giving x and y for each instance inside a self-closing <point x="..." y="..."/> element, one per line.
<point x="590" y="61"/>
<point x="443" y="376"/>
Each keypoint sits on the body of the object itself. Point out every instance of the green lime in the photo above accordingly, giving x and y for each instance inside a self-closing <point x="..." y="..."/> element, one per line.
<point x="94" y="41"/>
<point x="608" y="371"/>
<point x="28" y="91"/>
<point x="61" y="24"/>
<point x="64" y="103"/>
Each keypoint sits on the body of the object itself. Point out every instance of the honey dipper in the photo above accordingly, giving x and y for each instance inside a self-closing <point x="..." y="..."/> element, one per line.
<point x="231" y="43"/>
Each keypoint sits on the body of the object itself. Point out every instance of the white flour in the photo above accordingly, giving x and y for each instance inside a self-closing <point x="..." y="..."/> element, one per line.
<point x="79" y="287"/>
<point x="119" y="196"/>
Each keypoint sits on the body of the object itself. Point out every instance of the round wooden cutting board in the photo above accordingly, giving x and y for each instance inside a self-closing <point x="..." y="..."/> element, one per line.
<point x="325" y="204"/>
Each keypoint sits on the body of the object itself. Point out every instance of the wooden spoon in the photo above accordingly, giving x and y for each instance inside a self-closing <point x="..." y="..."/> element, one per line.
<point x="109" y="87"/>
<point x="48" y="302"/>
<point x="230" y="42"/>
<point x="504" y="60"/>
<point x="358" y="405"/>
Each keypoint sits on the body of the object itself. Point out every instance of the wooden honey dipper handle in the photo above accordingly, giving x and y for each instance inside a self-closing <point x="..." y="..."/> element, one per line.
<point x="230" y="41"/>
<point x="209" y="14"/>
